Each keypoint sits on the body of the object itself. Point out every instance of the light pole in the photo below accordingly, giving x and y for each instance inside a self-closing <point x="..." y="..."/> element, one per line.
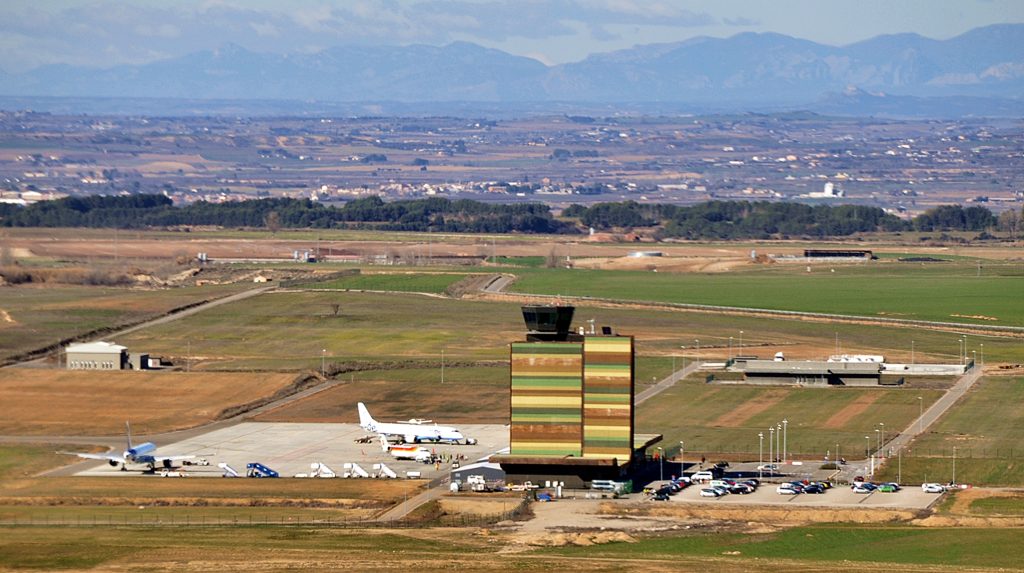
<point x="661" y="464"/>
<point x="920" y="414"/>
<point x="697" y="340"/>
<point x="974" y="359"/>
<point x="911" y="351"/>
<point x="878" y="440"/>
<point x="323" y="362"/>
<point x="730" y="348"/>
<point x="867" y="446"/>
<point x="771" y="440"/>
<point x="778" y="440"/>
<point x="881" y="426"/>
<point x="899" y="465"/>
<point x="785" y="434"/>
<point x="442" y="366"/>
<point x="682" y="463"/>
<point x="741" y="343"/>
<point x="982" y="354"/>
<point x="760" y="455"/>
<point x="954" y="467"/>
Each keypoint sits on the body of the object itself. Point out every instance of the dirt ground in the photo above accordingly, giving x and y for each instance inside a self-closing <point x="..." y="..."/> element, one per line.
<point x="75" y="403"/>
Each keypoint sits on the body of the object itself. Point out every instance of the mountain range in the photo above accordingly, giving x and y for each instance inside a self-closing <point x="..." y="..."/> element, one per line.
<point x="748" y="70"/>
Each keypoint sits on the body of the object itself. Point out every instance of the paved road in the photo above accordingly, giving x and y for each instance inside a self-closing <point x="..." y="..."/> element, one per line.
<point x="498" y="284"/>
<point x="666" y="383"/>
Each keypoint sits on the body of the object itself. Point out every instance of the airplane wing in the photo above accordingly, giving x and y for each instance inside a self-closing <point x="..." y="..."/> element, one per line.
<point x="106" y="457"/>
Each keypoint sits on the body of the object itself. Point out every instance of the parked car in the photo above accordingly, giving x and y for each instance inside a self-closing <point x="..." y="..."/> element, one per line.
<point x="787" y="489"/>
<point x="753" y="482"/>
<point x="896" y="486"/>
<point x="864" y="487"/>
<point x="933" y="487"/>
<point x="814" y="488"/>
<point x="888" y="488"/>
<point x="703" y="476"/>
<point x="660" y="497"/>
<point x="709" y="492"/>
<point x="768" y="467"/>
<point x="722" y="490"/>
<point x="741" y="489"/>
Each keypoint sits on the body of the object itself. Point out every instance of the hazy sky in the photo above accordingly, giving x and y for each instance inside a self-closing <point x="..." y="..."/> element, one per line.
<point x="107" y="32"/>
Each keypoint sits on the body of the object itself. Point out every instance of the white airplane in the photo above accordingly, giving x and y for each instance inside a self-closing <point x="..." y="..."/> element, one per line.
<point x="410" y="433"/>
<point x="135" y="454"/>
<point x="411" y="452"/>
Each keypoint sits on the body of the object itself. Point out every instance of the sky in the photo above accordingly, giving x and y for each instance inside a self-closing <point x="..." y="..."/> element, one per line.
<point x="105" y="33"/>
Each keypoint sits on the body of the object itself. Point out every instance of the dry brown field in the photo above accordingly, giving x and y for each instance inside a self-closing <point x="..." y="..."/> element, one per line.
<point x="74" y="403"/>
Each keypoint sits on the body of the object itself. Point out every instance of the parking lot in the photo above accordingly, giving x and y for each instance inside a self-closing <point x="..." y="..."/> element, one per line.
<point x="290" y="448"/>
<point x="910" y="497"/>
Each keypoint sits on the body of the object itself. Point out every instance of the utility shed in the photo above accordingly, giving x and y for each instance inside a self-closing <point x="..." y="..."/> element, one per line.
<point x="96" y="356"/>
<point x="813" y="372"/>
<point x="491" y="472"/>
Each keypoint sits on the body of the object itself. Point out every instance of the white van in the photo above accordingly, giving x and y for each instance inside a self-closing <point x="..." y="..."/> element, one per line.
<point x="703" y="476"/>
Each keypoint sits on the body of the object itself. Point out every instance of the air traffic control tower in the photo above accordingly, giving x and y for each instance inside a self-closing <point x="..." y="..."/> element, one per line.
<point x="571" y="403"/>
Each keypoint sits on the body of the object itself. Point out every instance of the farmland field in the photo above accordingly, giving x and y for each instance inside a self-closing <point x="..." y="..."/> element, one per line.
<point x="986" y="427"/>
<point x="402" y="282"/>
<point x="73" y="403"/>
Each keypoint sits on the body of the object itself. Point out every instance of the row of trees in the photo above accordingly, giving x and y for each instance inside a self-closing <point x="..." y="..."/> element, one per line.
<point x="762" y="220"/>
<point x="434" y="214"/>
<point x="711" y="220"/>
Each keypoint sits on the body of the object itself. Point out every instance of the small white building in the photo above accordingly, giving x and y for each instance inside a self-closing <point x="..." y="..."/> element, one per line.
<point x="96" y="356"/>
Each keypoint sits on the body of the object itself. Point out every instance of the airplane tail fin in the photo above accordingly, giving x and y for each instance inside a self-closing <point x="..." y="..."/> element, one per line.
<point x="384" y="443"/>
<point x="364" y="416"/>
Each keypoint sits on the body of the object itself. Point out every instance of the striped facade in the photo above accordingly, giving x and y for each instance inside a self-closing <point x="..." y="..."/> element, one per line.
<point x="608" y="397"/>
<point x="573" y="398"/>
<point x="547" y="398"/>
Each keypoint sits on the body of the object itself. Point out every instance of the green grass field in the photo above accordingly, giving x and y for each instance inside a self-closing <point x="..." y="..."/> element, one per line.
<point x="987" y="429"/>
<point x="948" y="292"/>
<point x="831" y="547"/>
<point x="40" y="316"/>
<point x="725" y="419"/>
<point x="402" y="282"/>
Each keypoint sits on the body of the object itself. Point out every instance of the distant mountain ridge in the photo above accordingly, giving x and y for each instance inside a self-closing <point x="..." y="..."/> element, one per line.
<point x="747" y="69"/>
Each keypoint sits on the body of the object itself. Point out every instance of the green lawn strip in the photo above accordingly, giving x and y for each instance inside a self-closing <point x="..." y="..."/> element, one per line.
<point x="1001" y="505"/>
<point x="699" y="414"/>
<point x="825" y="544"/>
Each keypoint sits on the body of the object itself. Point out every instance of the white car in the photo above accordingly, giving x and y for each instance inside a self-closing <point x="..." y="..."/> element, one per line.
<point x="933" y="488"/>
<point x="786" y="489"/>
<point x="703" y="476"/>
<point x="768" y="467"/>
<point x="709" y="492"/>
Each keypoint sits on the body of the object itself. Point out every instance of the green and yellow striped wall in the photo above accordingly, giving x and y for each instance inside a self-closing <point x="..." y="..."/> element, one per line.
<point x="608" y="397"/>
<point x="547" y="398"/>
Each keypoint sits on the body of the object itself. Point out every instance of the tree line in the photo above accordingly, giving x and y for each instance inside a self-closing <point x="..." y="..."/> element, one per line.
<point x="710" y="220"/>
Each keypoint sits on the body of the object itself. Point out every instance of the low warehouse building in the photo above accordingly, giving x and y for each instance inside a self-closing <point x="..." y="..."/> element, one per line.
<point x="96" y="356"/>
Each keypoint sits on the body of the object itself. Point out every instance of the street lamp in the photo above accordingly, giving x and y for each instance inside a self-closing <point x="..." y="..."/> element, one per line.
<point x="920" y="414"/>
<point x="911" y="351"/>
<point x="954" y="467"/>
<point x="730" y="348"/>
<point x="881" y="426"/>
<point x="741" y="343"/>
<point x="760" y="455"/>
<point x="697" y="340"/>
<point x="323" y="362"/>
<point x="785" y="433"/>
<point x="867" y="446"/>
<point x="771" y="441"/>
<point x="661" y="464"/>
<point x="442" y="366"/>
<point x="682" y="463"/>
<point x="778" y="440"/>
<point x="982" y="354"/>
<point x="878" y="440"/>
